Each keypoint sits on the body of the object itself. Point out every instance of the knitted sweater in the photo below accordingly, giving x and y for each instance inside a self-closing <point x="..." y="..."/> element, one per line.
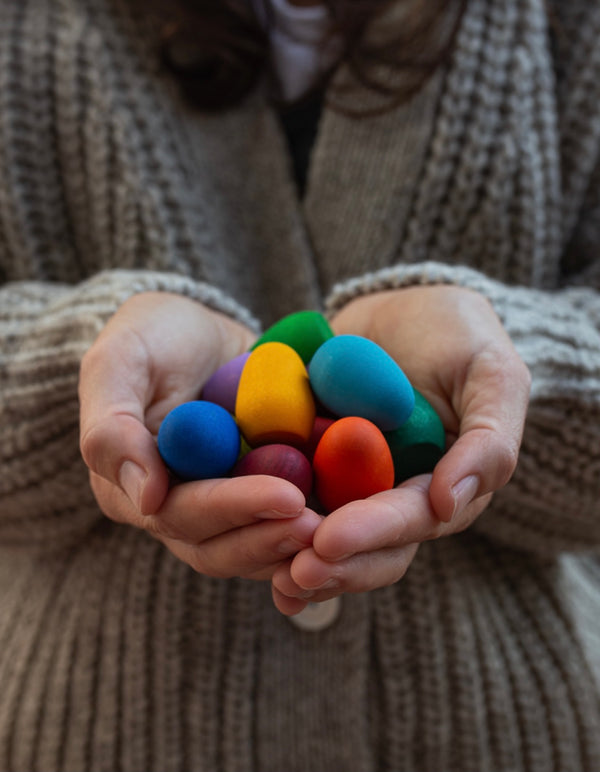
<point x="116" y="656"/>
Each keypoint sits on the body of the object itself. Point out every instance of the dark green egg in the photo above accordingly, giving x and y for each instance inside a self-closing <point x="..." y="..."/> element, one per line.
<point x="419" y="443"/>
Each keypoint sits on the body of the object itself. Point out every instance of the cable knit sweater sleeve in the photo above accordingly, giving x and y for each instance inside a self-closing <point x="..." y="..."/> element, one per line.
<point x="45" y="328"/>
<point x="552" y="502"/>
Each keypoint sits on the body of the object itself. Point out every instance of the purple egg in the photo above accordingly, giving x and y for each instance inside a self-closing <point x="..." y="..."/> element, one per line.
<point x="221" y="388"/>
<point x="277" y="460"/>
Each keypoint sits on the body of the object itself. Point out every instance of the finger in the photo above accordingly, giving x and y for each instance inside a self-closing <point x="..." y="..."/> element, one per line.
<point x="390" y="519"/>
<point x="493" y="406"/>
<point x="312" y="578"/>
<point x="252" y="551"/>
<point x="201" y="510"/>
<point x="114" y="441"/>
<point x="283" y="584"/>
<point x="287" y="606"/>
<point x="124" y="453"/>
<point x="197" y="511"/>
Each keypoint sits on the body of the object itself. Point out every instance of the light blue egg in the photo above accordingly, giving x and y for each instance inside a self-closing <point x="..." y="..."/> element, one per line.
<point x="199" y="440"/>
<point x="352" y="375"/>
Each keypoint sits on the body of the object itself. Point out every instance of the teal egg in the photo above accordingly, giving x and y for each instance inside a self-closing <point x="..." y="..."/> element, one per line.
<point x="353" y="376"/>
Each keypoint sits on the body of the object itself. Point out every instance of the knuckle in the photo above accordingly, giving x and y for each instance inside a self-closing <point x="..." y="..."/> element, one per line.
<point x="159" y="528"/>
<point x="510" y="366"/>
<point x="91" y="444"/>
<point x="91" y="362"/>
<point x="263" y="574"/>
<point x="107" y="442"/>
<point x="496" y="363"/>
<point x="399" y="566"/>
<point x="201" y="561"/>
<point x="249" y="555"/>
<point x="506" y="460"/>
<point x="87" y="360"/>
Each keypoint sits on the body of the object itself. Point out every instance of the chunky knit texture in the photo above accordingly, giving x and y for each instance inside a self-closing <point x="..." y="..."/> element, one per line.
<point x="114" y="655"/>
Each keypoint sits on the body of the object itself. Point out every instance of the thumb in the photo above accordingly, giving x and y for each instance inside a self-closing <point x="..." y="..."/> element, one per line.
<point x="494" y="406"/>
<point x="114" y="440"/>
<point x="119" y="448"/>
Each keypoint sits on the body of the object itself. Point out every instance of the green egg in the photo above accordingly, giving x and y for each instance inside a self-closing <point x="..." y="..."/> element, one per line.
<point x="244" y="447"/>
<point x="419" y="443"/>
<point x="304" y="331"/>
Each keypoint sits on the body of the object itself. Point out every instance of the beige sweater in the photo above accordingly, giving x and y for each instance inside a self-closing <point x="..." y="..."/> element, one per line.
<point x="114" y="655"/>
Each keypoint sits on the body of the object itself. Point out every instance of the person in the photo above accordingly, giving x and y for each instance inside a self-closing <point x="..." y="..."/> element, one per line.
<point x="449" y="624"/>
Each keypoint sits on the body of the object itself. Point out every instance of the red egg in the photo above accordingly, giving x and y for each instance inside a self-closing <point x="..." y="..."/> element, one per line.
<point x="320" y="426"/>
<point x="352" y="461"/>
<point x="277" y="460"/>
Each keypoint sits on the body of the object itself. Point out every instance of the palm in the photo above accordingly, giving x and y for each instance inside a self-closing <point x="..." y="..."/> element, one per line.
<point x="178" y="345"/>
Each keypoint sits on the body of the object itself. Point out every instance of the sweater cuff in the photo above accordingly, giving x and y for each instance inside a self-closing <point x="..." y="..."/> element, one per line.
<point x="110" y="289"/>
<point x="418" y="274"/>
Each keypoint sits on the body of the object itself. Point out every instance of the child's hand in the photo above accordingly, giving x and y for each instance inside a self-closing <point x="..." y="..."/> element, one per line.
<point x="155" y="353"/>
<point x="455" y="351"/>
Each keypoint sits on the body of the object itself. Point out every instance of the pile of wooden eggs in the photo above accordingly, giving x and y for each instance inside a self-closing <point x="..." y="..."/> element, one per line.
<point x="335" y="415"/>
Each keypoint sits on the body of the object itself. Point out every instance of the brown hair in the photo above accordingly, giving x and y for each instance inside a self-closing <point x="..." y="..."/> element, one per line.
<point x="217" y="49"/>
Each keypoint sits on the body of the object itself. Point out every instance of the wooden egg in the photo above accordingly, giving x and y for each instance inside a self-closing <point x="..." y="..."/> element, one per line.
<point x="221" y="388"/>
<point x="352" y="461"/>
<point x="353" y="376"/>
<point x="279" y="461"/>
<point x="321" y="424"/>
<point x="274" y="401"/>
<point x="198" y="440"/>
<point x="419" y="443"/>
<point x="304" y="331"/>
<point x="244" y="447"/>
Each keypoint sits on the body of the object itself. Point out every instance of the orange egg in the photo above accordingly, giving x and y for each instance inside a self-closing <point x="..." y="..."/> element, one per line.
<point x="352" y="461"/>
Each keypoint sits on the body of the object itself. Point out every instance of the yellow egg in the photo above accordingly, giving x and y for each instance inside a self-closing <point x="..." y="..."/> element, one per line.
<point x="274" y="400"/>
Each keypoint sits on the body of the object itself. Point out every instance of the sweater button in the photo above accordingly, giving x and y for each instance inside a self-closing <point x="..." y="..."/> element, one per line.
<point x="317" y="616"/>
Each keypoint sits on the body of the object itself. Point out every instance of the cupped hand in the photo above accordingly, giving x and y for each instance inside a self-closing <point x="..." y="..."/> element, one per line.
<point x="156" y="352"/>
<point x="454" y="350"/>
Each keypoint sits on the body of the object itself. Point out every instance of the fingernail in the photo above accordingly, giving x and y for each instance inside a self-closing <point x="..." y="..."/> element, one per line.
<point x="131" y="479"/>
<point x="464" y="492"/>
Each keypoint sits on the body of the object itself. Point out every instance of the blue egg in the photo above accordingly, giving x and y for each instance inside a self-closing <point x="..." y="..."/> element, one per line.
<point x="353" y="376"/>
<point x="198" y="440"/>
